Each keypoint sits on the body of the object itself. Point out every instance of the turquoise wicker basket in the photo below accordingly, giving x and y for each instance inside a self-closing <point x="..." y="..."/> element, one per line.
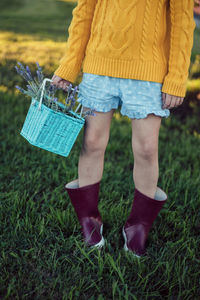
<point x="51" y="130"/>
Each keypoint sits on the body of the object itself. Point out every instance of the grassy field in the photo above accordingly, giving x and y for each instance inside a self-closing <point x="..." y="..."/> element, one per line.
<point x="42" y="254"/>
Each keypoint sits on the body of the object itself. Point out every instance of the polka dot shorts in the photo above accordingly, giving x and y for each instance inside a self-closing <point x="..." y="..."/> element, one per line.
<point x="137" y="98"/>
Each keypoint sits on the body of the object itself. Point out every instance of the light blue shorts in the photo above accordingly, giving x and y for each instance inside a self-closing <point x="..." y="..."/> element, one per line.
<point x="137" y="98"/>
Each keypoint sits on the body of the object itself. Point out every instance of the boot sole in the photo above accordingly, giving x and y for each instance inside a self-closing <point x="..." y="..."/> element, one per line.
<point x="102" y="241"/>
<point x="125" y="244"/>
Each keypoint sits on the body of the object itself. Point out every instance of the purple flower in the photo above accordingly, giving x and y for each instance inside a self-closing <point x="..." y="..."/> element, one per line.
<point x="23" y="72"/>
<point x="93" y="112"/>
<point x="71" y="97"/>
<point x="39" y="73"/>
<point x="71" y="100"/>
<point x="39" y="76"/>
<point x="89" y="112"/>
<point x="39" y="68"/>
<point x="28" y="72"/>
<point x="17" y="69"/>
<point x="51" y="88"/>
<point x="69" y="87"/>
<point x="30" y="88"/>
<point x="67" y="101"/>
<point x="21" y="65"/>
<point x="20" y="89"/>
<point x="75" y="90"/>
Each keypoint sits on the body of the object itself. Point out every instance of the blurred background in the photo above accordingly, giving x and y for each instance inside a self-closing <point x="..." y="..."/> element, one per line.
<point x="41" y="251"/>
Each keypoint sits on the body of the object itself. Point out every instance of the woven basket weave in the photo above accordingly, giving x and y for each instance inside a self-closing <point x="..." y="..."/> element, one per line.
<point x="51" y="130"/>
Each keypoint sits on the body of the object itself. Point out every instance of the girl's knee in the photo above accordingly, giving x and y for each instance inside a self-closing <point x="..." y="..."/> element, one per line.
<point x="95" y="142"/>
<point x="146" y="150"/>
<point x="96" y="132"/>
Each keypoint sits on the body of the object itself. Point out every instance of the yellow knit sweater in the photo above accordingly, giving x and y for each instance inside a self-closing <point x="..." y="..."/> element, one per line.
<point x="139" y="39"/>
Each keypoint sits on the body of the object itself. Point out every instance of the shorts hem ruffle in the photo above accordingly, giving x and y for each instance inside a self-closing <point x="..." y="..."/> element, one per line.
<point x="143" y="114"/>
<point x="98" y="107"/>
<point x="92" y="104"/>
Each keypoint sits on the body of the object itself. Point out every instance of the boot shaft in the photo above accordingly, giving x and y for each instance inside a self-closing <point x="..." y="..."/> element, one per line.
<point x="145" y="209"/>
<point x="85" y="202"/>
<point x="84" y="199"/>
<point x="143" y="213"/>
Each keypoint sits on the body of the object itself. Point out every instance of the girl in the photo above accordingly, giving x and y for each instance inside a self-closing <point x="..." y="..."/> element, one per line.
<point x="135" y="54"/>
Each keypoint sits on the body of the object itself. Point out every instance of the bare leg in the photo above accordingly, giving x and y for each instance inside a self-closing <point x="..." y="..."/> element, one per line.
<point x="145" y="134"/>
<point x="95" y="140"/>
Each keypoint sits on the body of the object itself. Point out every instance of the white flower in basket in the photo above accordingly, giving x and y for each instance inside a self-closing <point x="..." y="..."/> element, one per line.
<point x="50" y="124"/>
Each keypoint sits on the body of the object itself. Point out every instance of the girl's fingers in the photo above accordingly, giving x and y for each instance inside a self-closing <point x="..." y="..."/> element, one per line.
<point x="53" y="77"/>
<point x="56" y="79"/>
<point x="163" y="99"/>
<point x="65" y="86"/>
<point x="179" y="101"/>
<point x="173" y="102"/>
<point x="61" y="84"/>
<point x="170" y="101"/>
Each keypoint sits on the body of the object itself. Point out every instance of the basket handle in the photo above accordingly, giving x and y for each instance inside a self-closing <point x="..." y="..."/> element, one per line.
<point x="78" y="109"/>
<point x="43" y="87"/>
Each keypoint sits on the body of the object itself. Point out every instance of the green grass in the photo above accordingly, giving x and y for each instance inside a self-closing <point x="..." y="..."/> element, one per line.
<point x="42" y="254"/>
<point x="42" y="19"/>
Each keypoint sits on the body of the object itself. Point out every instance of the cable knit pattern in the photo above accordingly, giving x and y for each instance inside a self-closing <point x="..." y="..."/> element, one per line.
<point x="98" y="25"/>
<point x="185" y="39"/>
<point x="145" y="27"/>
<point x="148" y="40"/>
<point x="120" y="24"/>
<point x="156" y="56"/>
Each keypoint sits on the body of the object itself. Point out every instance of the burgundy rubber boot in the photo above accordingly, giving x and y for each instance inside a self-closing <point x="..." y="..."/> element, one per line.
<point x="85" y="203"/>
<point x="143" y="213"/>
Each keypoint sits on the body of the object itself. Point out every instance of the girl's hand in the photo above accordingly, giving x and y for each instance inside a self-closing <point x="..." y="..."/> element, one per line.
<point x="170" y="101"/>
<point x="60" y="82"/>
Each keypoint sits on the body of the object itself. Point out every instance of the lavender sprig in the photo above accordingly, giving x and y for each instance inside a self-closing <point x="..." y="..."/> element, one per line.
<point x="39" y="68"/>
<point x="40" y="78"/>
<point x="54" y="104"/>
<point x="29" y="73"/>
<point x="20" y="89"/>
<point x="39" y="73"/>
<point x="70" y="97"/>
<point x="26" y="74"/>
<point x="27" y="93"/>
<point x="71" y="101"/>
<point x="30" y="91"/>
<point x="89" y="112"/>
<point x="30" y="88"/>
<point x="69" y="89"/>
<point x="51" y="91"/>
<point x="22" y="73"/>
<point x="34" y="90"/>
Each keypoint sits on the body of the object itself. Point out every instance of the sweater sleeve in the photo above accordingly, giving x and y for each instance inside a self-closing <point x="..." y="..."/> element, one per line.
<point x="79" y="33"/>
<point x="181" y="43"/>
